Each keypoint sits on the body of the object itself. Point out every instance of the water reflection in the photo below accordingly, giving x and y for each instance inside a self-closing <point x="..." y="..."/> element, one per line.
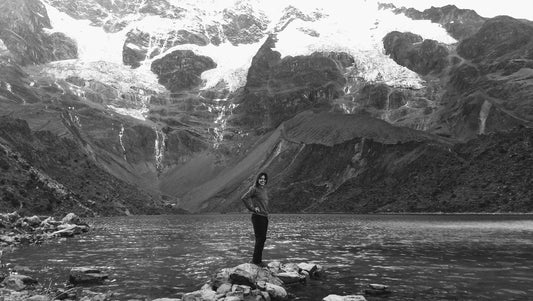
<point x="419" y="257"/>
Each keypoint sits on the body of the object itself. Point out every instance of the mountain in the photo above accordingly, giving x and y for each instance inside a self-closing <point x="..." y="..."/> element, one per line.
<point x="114" y="107"/>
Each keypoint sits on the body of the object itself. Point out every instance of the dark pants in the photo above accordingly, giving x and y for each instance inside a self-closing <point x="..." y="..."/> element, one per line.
<point x="260" y="224"/>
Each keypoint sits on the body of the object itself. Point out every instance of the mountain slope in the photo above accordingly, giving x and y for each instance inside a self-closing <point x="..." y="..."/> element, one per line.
<point x="185" y="102"/>
<point x="45" y="174"/>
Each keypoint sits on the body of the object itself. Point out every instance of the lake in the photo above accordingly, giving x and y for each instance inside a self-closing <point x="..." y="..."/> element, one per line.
<point x="420" y="257"/>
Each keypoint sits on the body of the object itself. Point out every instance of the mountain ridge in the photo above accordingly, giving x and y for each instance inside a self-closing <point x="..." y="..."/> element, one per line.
<point x="327" y="121"/>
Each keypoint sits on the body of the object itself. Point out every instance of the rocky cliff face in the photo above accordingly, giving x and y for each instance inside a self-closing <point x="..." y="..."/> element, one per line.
<point x="335" y="129"/>
<point x="477" y="76"/>
<point x="277" y="89"/>
<point x="22" y="30"/>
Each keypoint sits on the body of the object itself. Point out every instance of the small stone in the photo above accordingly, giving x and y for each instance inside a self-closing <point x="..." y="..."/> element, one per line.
<point x="14" y="284"/>
<point x="309" y="267"/>
<point x="221" y="277"/>
<point x="241" y="289"/>
<point x="86" y="275"/>
<point x="7" y="239"/>
<point x="274" y="266"/>
<point x="377" y="290"/>
<point x="344" y="298"/>
<point x="208" y="295"/>
<point x="22" y="269"/>
<point x="238" y="295"/>
<point x="266" y="296"/>
<point x="69" y="230"/>
<point x="33" y="221"/>
<point x="224" y="288"/>
<point x="291" y="277"/>
<point x="378" y="286"/>
<point x="290" y="267"/>
<point x="306" y="276"/>
<point x="276" y="292"/>
<point x="38" y="298"/>
<point x="193" y="296"/>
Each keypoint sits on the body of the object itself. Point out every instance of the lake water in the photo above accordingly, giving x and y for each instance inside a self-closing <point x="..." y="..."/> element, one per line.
<point x="421" y="257"/>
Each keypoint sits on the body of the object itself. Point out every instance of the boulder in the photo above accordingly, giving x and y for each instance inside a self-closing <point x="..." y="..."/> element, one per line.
<point x="33" y="221"/>
<point x="9" y="218"/>
<point x="181" y="69"/>
<point x="86" y="275"/>
<point x="18" y="282"/>
<point x="71" y="218"/>
<point x="309" y="267"/>
<point x="243" y="277"/>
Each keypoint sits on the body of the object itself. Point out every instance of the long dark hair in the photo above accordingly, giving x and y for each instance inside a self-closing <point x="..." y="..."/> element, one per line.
<point x="260" y="175"/>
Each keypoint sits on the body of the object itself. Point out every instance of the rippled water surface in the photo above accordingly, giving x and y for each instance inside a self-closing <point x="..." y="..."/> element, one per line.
<point x="421" y="257"/>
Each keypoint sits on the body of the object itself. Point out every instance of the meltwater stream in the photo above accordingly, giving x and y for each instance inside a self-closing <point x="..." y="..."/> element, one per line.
<point x="421" y="257"/>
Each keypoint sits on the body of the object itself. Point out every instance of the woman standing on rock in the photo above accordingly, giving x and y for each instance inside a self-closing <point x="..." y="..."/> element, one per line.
<point x="256" y="200"/>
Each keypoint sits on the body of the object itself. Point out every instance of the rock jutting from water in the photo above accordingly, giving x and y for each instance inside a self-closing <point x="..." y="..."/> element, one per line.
<point x="247" y="282"/>
<point x="17" y="230"/>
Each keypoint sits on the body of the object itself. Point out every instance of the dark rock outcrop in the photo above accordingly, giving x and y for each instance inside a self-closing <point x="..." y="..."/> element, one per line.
<point x="181" y="69"/>
<point x="459" y="23"/>
<point x="277" y="89"/>
<point x="291" y="13"/>
<point x="490" y="90"/>
<point x="411" y="51"/>
<point x="484" y="82"/>
<point x="21" y="29"/>
<point x="244" y="25"/>
<point x="500" y="39"/>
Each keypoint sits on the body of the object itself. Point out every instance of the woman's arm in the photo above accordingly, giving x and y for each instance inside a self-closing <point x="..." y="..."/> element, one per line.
<point x="246" y="199"/>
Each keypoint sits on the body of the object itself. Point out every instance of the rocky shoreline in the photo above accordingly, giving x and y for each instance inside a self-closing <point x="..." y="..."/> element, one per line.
<point x="271" y="282"/>
<point x="15" y="284"/>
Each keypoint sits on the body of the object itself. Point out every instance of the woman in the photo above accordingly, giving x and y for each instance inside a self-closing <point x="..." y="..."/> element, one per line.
<point x="256" y="200"/>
